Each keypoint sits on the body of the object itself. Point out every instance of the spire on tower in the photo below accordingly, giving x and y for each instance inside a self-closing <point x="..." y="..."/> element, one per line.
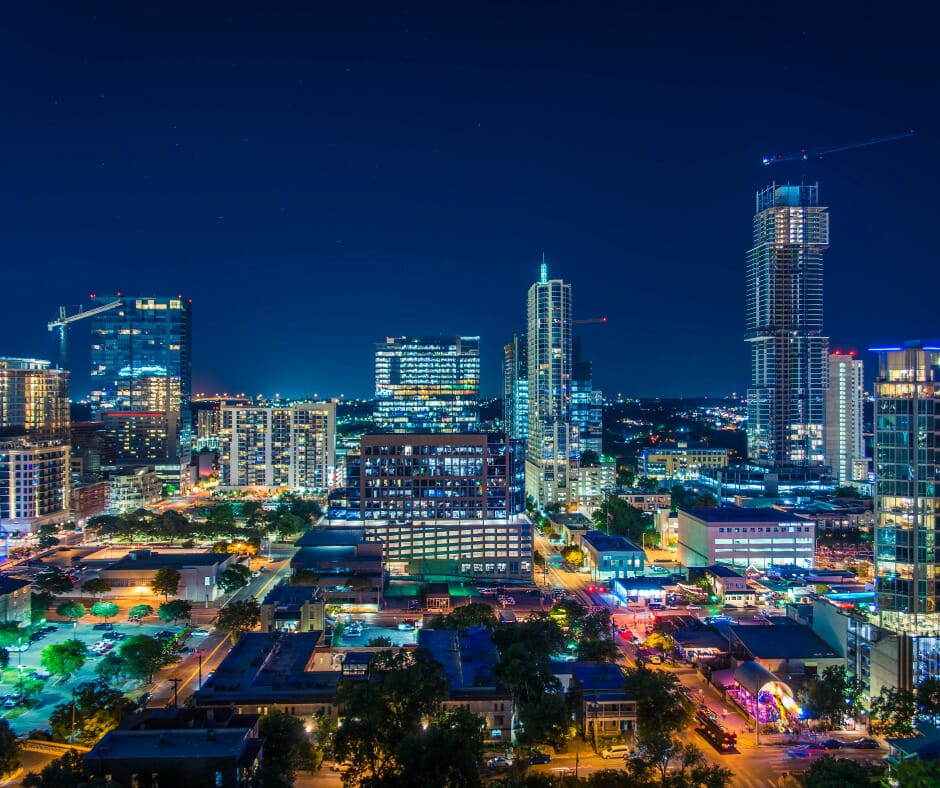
<point x="543" y="271"/>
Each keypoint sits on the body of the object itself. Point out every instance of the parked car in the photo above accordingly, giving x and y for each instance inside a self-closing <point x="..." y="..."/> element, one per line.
<point x="865" y="743"/>
<point x="114" y="636"/>
<point x="499" y="762"/>
<point x="540" y="757"/>
<point x="165" y="634"/>
<point x="405" y="626"/>
<point x="199" y="633"/>
<point x="135" y="619"/>
<point x="104" y="627"/>
<point x="798" y="752"/>
<point x="830" y="744"/>
<point x="488" y="592"/>
<point x="507" y="601"/>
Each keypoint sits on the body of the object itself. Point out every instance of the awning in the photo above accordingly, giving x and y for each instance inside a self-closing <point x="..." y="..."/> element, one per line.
<point x="754" y="677"/>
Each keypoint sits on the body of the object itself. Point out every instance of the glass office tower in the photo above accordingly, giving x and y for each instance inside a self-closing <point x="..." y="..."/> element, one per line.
<point x="786" y="395"/>
<point x="552" y="440"/>
<point x="516" y="388"/>
<point x="427" y="384"/>
<point x="907" y="490"/>
<point x="141" y="369"/>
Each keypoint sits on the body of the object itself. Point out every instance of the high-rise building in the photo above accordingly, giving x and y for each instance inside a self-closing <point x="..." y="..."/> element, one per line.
<point x="845" y="447"/>
<point x="141" y="369"/>
<point x="516" y="388"/>
<point x="786" y="396"/>
<point x="34" y="399"/>
<point x="34" y="444"/>
<point x="587" y="408"/>
<point x="552" y="445"/>
<point x="271" y="446"/>
<point x="427" y="384"/>
<point x="907" y="488"/>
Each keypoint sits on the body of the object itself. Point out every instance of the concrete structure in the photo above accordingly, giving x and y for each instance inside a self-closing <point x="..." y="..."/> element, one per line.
<point x="786" y="395"/>
<point x="427" y="384"/>
<point x="92" y="447"/>
<point x="729" y="586"/>
<point x="608" y="557"/>
<point x="289" y="608"/>
<point x="34" y="483"/>
<point x="516" y="388"/>
<point x="570" y="527"/>
<point x="735" y="536"/>
<point x="90" y="497"/>
<point x="437" y="477"/>
<point x="469" y="658"/>
<point x="349" y="566"/>
<point x="198" y="573"/>
<point x="34" y="400"/>
<point x="15" y="600"/>
<point x="279" y="445"/>
<point x="605" y="712"/>
<point x="683" y="463"/>
<point x="845" y="399"/>
<point x="649" y="502"/>
<point x="141" y="370"/>
<point x="181" y="747"/>
<point x="552" y="444"/>
<point x="784" y="647"/>
<point x="132" y="488"/>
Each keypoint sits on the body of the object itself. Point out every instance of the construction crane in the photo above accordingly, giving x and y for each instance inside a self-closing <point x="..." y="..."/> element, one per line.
<point x="805" y="154"/>
<point x="63" y="322"/>
<point x="590" y="320"/>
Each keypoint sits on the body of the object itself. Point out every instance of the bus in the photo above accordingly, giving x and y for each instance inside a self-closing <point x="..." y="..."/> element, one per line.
<point x="712" y="729"/>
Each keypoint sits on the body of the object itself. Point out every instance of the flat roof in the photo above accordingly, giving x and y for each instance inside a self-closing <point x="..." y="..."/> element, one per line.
<point x="576" y="520"/>
<point x="598" y="676"/>
<point x="291" y="595"/>
<point x="610" y="544"/>
<point x="10" y="584"/>
<point x="740" y="514"/>
<point x="156" y="560"/>
<point x="783" y="641"/>
<point x="723" y="571"/>
<point x="169" y="744"/>
<point x="329" y="537"/>
<point x="468" y="657"/>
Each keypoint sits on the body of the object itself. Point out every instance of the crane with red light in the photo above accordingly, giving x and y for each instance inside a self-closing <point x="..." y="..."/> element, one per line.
<point x="64" y="320"/>
<point x="818" y="153"/>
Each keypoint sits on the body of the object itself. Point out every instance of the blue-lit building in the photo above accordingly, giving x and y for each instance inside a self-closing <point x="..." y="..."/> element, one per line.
<point x="427" y="384"/>
<point x="141" y="370"/>
<point x="516" y="388"/>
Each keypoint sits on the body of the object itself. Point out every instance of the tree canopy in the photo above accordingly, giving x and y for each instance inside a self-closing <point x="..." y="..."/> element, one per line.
<point x="166" y="582"/>
<point x="9" y="749"/>
<point x="472" y="615"/>
<point x="140" y="611"/>
<point x="177" y="610"/>
<point x="73" y="610"/>
<point x="233" y="578"/>
<point x="98" y="709"/>
<point x="831" y="696"/>
<point x="286" y="748"/>
<point x="236" y="618"/>
<point x="63" y="659"/>
<point x="96" y="586"/>
<point x="104" y="609"/>
<point x="142" y="656"/>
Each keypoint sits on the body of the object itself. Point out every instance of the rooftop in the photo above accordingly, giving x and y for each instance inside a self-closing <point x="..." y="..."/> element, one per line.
<point x="329" y="537"/>
<point x="598" y="676"/>
<point x="575" y="521"/>
<point x="739" y="514"/>
<point x="722" y="571"/>
<point x="291" y="595"/>
<point x="10" y="584"/>
<point x="148" y="559"/>
<point x="467" y="655"/>
<point x="171" y="744"/>
<point x="784" y="640"/>
<point x="609" y="544"/>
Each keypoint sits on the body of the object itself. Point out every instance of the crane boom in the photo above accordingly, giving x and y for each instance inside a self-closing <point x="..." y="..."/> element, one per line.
<point x="590" y="320"/>
<point x="64" y="320"/>
<point x="804" y="154"/>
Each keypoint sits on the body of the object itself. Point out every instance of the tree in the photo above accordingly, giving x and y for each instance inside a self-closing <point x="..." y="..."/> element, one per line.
<point x="304" y="577"/>
<point x="104" y="610"/>
<point x="661" y="641"/>
<point x="177" y="610"/>
<point x="619" y="518"/>
<point x="65" y="772"/>
<point x="594" y="643"/>
<point x="446" y="753"/>
<point x="4" y="658"/>
<point x="9" y="749"/>
<point x="546" y="720"/>
<point x="893" y="711"/>
<point x="380" y="642"/>
<point x="286" y="748"/>
<point x="142" y="656"/>
<point x="63" y="659"/>
<point x="704" y="500"/>
<point x="10" y="634"/>
<point x="827" y="772"/>
<point x="98" y="709"/>
<point x="236" y="618"/>
<point x="928" y="698"/>
<point x="831" y="696"/>
<point x="45" y="542"/>
<point x="96" y="586"/>
<point x="110" y="668"/>
<point x="233" y="578"/>
<point x="662" y="709"/>
<point x="845" y="492"/>
<point x="72" y="610"/>
<point x="915" y="773"/>
<point x="140" y="611"/>
<point x="166" y="582"/>
<point x="287" y="525"/>
<point x="404" y="691"/>
<point x="572" y="554"/>
<point x="38" y="606"/>
<point x="52" y="583"/>
<point x="589" y="459"/>
<point x="473" y="615"/>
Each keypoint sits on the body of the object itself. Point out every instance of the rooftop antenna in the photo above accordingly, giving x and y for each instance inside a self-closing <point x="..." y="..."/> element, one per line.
<point x="543" y="271"/>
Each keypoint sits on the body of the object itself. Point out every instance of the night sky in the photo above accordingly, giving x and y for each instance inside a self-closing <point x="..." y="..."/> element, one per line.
<point x="316" y="179"/>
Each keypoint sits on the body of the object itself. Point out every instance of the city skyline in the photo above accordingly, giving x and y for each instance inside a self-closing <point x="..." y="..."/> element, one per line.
<point x="384" y="168"/>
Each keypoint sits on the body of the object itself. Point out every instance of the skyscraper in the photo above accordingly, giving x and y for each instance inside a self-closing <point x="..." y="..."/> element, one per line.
<point x="34" y="399"/>
<point x="552" y="446"/>
<point x="141" y="368"/>
<point x="516" y="388"/>
<point x="845" y="445"/>
<point x="427" y="384"/>
<point x="786" y="396"/>
<point x="587" y="403"/>
<point x="907" y="489"/>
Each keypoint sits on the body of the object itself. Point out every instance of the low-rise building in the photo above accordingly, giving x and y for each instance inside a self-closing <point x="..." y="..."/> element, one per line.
<point x="91" y="495"/>
<point x="349" y="566"/>
<point x="604" y="710"/>
<point x="289" y="608"/>
<point x="608" y="557"/>
<point x="198" y="573"/>
<point x="784" y="647"/>
<point x="133" y="488"/>
<point x="14" y="600"/>
<point x="592" y="483"/>
<point x="569" y="527"/>
<point x="735" y="536"/>
<point x="730" y="586"/>
<point x="645" y="501"/>
<point x="683" y="463"/>
<point x="469" y="658"/>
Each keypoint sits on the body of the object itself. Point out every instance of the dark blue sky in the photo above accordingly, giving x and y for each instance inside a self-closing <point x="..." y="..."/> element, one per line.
<point x="317" y="179"/>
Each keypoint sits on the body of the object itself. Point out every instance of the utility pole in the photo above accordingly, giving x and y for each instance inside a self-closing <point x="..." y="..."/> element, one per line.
<point x="176" y="688"/>
<point x="72" y="737"/>
<point x="200" y="670"/>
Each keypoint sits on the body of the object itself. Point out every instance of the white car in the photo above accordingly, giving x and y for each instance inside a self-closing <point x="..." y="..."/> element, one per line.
<point x="199" y="633"/>
<point x="507" y="600"/>
<point x="404" y="626"/>
<point x="499" y="762"/>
